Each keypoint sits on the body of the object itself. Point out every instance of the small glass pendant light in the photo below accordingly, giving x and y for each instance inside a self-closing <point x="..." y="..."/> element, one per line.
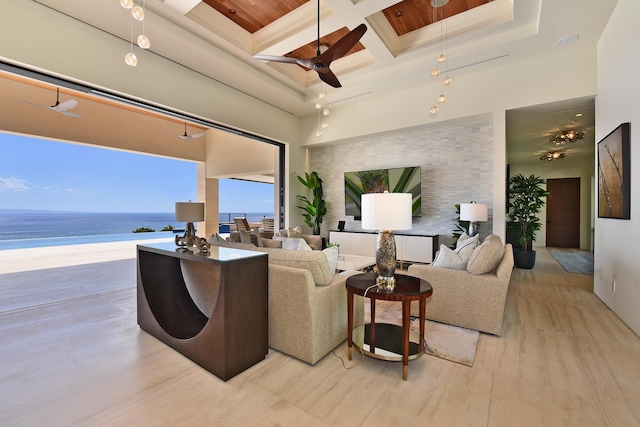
<point x="143" y="41"/>
<point x="131" y="59"/>
<point x="138" y="13"/>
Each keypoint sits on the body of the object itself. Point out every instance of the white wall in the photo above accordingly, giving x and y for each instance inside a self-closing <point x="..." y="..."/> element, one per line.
<point x="513" y="85"/>
<point x="456" y="161"/>
<point x="616" y="257"/>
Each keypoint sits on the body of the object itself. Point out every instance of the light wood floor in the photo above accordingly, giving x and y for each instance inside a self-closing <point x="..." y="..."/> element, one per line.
<point x="71" y="353"/>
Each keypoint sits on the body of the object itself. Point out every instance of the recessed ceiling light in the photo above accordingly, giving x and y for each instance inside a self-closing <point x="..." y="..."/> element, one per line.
<point x="567" y="40"/>
<point x="232" y="11"/>
<point x="398" y="14"/>
<point x="579" y="115"/>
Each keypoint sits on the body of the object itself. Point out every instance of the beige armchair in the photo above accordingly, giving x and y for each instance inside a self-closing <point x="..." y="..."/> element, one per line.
<point x="307" y="304"/>
<point x="474" y="301"/>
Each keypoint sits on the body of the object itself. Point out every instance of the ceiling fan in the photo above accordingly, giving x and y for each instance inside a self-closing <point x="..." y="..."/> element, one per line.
<point x="187" y="137"/>
<point x="59" y="107"/>
<point x="321" y="62"/>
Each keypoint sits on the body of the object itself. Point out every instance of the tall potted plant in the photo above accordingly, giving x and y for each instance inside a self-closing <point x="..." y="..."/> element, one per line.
<point x="315" y="209"/>
<point x="526" y="199"/>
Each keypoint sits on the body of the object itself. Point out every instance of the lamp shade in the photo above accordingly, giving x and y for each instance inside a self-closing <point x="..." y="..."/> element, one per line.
<point x="386" y="211"/>
<point x="189" y="212"/>
<point x="473" y="212"/>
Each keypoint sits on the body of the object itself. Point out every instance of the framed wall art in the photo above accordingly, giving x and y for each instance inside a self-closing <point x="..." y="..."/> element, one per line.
<point x="614" y="174"/>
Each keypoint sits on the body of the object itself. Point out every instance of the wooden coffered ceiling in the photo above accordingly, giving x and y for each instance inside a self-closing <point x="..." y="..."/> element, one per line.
<point x="404" y="17"/>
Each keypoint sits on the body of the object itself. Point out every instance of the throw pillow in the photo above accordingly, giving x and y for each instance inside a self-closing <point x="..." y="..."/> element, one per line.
<point x="303" y="245"/>
<point x="448" y="258"/>
<point x="332" y="254"/>
<point x="315" y="242"/>
<point x="245" y="237"/>
<point x="462" y="242"/>
<point x="289" y="243"/>
<point x="294" y="232"/>
<point x="486" y="257"/>
<point x="456" y="258"/>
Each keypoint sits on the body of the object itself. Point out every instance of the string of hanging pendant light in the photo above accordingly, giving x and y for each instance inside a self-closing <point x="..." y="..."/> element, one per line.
<point x="137" y="14"/>
<point x="322" y="111"/>
<point x="437" y="5"/>
<point x="321" y="104"/>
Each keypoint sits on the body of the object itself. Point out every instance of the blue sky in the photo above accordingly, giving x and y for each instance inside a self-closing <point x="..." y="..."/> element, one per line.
<point x="49" y="175"/>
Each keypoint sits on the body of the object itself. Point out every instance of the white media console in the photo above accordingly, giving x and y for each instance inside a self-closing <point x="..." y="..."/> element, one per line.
<point x="410" y="247"/>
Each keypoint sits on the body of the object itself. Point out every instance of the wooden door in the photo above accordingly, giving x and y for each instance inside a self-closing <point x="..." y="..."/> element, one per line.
<point x="563" y="213"/>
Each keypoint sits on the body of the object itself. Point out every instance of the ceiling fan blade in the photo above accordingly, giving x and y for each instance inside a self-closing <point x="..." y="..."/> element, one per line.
<point x="70" y="114"/>
<point x="344" y="45"/>
<point x="197" y="135"/>
<point x="65" y="106"/>
<point x="327" y="76"/>
<point x="57" y="108"/>
<point x="271" y="58"/>
<point x="30" y="103"/>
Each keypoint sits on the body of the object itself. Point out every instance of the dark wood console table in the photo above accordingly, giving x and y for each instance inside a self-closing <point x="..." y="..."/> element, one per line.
<point x="213" y="309"/>
<point x="394" y="339"/>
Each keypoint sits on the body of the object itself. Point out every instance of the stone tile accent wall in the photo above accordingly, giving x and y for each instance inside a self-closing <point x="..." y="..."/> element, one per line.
<point x="456" y="160"/>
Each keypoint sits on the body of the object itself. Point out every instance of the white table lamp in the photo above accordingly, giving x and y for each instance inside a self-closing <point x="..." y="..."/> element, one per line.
<point x="189" y="212"/>
<point x="473" y="212"/>
<point x="386" y="212"/>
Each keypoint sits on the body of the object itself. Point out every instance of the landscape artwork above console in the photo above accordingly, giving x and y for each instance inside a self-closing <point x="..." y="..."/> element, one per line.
<point x="393" y="180"/>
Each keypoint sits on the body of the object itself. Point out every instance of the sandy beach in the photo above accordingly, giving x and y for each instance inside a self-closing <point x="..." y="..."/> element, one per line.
<point x="16" y="260"/>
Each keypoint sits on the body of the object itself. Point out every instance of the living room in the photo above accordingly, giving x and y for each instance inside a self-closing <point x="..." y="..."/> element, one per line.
<point x="486" y="93"/>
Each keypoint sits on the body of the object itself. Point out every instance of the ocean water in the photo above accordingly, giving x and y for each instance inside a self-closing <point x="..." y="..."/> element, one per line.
<point x="27" y="229"/>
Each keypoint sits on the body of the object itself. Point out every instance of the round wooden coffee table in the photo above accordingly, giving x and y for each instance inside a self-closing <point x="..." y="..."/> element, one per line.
<point x="393" y="337"/>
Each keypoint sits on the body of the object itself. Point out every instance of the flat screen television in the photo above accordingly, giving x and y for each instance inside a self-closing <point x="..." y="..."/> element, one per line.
<point x="394" y="180"/>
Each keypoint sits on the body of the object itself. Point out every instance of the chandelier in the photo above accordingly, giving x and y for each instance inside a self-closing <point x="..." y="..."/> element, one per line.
<point x="567" y="136"/>
<point x="553" y="155"/>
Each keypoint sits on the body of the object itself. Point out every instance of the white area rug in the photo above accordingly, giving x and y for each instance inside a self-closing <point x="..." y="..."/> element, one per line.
<point x="444" y="341"/>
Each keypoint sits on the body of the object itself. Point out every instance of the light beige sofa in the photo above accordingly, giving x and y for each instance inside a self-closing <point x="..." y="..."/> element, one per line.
<point x="307" y="303"/>
<point x="461" y="298"/>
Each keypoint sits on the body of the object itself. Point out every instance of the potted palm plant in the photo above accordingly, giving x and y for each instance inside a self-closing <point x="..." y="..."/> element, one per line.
<point x="315" y="209"/>
<point x="526" y="199"/>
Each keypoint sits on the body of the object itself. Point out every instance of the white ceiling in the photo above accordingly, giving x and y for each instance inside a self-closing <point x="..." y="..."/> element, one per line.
<point x="503" y="31"/>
